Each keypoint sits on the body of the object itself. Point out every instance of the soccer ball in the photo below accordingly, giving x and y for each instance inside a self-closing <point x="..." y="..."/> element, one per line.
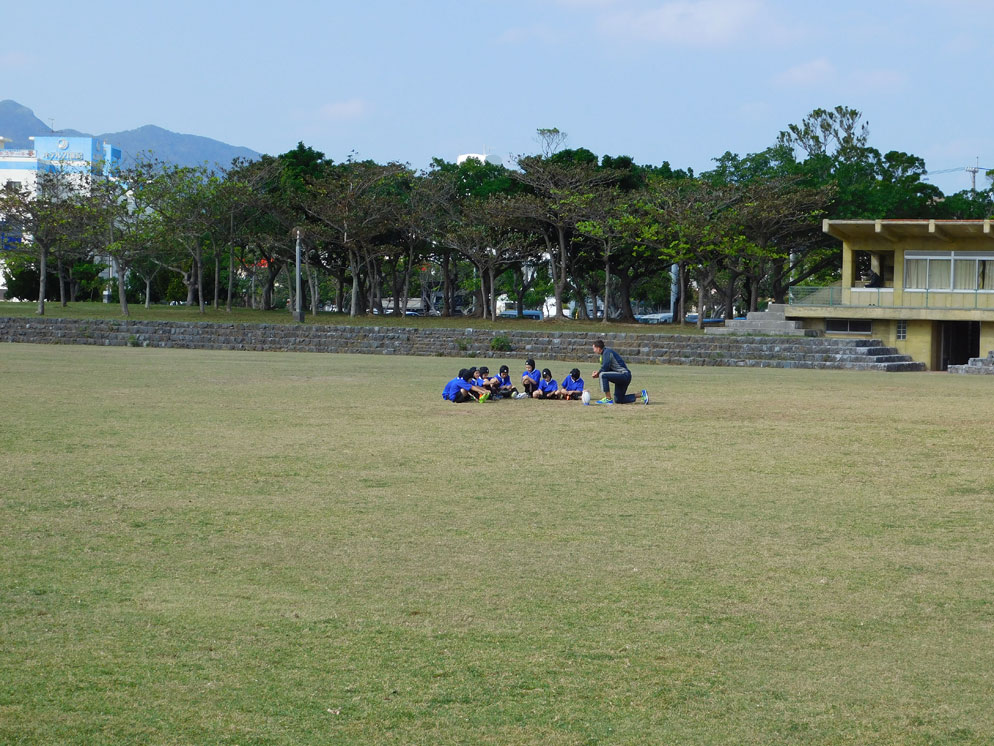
<point x="585" y="397"/>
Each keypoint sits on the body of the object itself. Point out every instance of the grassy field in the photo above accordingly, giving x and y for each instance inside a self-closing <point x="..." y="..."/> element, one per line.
<point x="262" y="548"/>
<point x="138" y="312"/>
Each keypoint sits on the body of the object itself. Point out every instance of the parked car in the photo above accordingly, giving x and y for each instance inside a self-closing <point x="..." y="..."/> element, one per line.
<point x="655" y="318"/>
<point x="525" y="315"/>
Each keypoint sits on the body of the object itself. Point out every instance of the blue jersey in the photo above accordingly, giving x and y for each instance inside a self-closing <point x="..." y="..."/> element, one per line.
<point x="532" y="374"/>
<point x="504" y="380"/>
<point x="480" y="382"/>
<point x="453" y="387"/>
<point x="570" y="385"/>
<point x="548" y="387"/>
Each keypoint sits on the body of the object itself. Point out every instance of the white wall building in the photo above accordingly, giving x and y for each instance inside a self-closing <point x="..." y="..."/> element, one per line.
<point x="51" y="153"/>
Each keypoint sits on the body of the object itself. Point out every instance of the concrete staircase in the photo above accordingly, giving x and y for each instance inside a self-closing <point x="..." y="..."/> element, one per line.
<point x="977" y="366"/>
<point x="650" y="347"/>
<point x="771" y="321"/>
<point x="775" y="352"/>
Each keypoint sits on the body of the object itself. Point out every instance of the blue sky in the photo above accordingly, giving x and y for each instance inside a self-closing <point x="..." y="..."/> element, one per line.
<point x="675" y="80"/>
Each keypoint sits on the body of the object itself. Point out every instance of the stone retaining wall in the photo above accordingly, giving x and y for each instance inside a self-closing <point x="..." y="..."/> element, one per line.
<point x="673" y="349"/>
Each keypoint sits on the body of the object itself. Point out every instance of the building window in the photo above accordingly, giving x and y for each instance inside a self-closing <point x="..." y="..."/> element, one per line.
<point x="939" y="273"/>
<point x="985" y="274"/>
<point x="848" y="326"/>
<point x="959" y="272"/>
<point x="915" y="272"/>
<point x="902" y="329"/>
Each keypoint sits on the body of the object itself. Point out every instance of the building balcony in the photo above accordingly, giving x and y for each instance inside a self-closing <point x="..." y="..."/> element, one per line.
<point x="836" y="296"/>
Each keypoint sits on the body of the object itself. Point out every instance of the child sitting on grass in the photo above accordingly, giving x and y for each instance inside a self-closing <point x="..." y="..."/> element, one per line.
<point x="530" y="379"/>
<point x="547" y="386"/>
<point x="572" y="387"/>
<point x="502" y="381"/>
<point x="462" y="389"/>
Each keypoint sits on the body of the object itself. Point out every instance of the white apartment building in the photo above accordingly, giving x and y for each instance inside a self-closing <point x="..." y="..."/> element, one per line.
<point x="20" y="167"/>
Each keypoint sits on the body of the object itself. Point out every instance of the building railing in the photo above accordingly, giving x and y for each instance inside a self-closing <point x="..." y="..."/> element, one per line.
<point x="17" y="154"/>
<point x="801" y="295"/>
<point x="884" y="298"/>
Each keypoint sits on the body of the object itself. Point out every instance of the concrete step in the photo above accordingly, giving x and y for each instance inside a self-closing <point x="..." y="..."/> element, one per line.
<point x="771" y="321"/>
<point x="795" y="331"/>
<point x="976" y="366"/>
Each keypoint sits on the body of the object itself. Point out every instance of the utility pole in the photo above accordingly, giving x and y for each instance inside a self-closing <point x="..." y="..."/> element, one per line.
<point x="972" y="170"/>
<point x="298" y="314"/>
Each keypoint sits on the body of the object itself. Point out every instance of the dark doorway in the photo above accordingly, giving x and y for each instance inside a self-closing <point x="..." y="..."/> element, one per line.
<point x="958" y="342"/>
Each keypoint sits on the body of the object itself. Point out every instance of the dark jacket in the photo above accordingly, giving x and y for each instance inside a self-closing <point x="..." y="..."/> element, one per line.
<point x="611" y="362"/>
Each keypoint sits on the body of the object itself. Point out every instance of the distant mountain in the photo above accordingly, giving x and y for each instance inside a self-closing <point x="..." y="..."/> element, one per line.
<point x="185" y="150"/>
<point x="18" y="123"/>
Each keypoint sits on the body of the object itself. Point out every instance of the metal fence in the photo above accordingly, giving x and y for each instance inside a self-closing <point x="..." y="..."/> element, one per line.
<point x="884" y="298"/>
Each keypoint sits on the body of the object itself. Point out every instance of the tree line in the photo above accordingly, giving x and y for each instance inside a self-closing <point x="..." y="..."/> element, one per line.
<point x="602" y="233"/>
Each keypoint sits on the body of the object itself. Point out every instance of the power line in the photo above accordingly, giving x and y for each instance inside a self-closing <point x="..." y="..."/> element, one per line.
<point x="972" y="170"/>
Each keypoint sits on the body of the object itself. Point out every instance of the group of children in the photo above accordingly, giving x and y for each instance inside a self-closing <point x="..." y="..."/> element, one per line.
<point x="476" y="384"/>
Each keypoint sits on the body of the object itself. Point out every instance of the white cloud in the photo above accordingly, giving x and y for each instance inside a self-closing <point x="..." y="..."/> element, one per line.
<point x="821" y="73"/>
<point x="690" y="22"/>
<point x="340" y="111"/>
<point x="815" y="73"/>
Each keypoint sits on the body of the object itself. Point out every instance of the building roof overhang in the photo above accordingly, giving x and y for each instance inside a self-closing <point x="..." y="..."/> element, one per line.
<point x="896" y="230"/>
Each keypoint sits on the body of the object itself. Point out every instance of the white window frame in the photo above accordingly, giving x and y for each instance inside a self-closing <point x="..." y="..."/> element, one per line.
<point x="948" y="256"/>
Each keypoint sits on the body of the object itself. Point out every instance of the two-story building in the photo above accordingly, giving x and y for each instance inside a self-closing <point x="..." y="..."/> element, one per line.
<point x="925" y="287"/>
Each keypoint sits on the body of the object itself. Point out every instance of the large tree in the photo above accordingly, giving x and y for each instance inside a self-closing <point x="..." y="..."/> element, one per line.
<point x="556" y="203"/>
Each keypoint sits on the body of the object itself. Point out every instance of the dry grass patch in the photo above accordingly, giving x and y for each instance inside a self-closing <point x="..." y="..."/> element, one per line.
<point x="290" y="548"/>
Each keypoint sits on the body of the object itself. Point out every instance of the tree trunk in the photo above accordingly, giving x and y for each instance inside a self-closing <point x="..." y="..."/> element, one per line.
<point x="267" y="289"/>
<point x="406" y="288"/>
<point x="60" y="271"/>
<point x="121" y="290"/>
<point x="481" y="294"/>
<point x="607" y="283"/>
<point x="493" y="295"/>
<point x="312" y="282"/>
<point x="625" y="281"/>
<point x="730" y="296"/>
<point x="189" y="279"/>
<point x="231" y="277"/>
<point x="42" y="273"/>
<point x="200" y="279"/>
<point x="446" y="285"/>
<point x="340" y="290"/>
<point x="291" y="289"/>
<point x="148" y="292"/>
<point x="354" y="267"/>
<point x="519" y="291"/>
<point x="560" y="285"/>
<point x="217" y="279"/>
